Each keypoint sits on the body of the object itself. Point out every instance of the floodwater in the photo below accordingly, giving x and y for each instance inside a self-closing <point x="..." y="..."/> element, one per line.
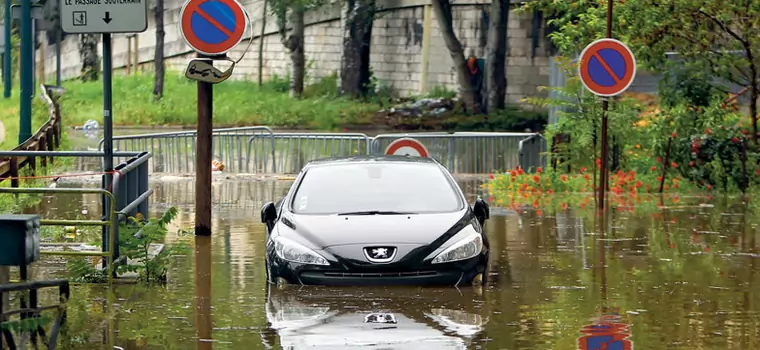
<point x="677" y="278"/>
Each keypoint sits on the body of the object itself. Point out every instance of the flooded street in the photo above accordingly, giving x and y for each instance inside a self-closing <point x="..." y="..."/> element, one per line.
<point x="678" y="278"/>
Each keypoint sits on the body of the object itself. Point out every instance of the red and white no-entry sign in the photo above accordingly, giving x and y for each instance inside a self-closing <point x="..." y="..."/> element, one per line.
<point x="406" y="147"/>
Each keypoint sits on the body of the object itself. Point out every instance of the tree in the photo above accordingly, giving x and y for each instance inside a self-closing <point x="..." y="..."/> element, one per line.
<point x="292" y="13"/>
<point x="88" y="54"/>
<point x="722" y="35"/>
<point x="357" y="18"/>
<point x="496" y="80"/>
<point x="442" y="10"/>
<point x="158" y="60"/>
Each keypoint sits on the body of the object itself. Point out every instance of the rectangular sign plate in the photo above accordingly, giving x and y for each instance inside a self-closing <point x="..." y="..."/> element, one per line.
<point x="104" y="16"/>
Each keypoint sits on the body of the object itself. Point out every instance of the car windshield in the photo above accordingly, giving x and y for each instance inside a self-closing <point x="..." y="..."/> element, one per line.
<point x="375" y="188"/>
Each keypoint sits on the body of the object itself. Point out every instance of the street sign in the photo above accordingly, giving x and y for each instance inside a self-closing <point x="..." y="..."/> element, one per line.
<point x="406" y="147"/>
<point x="607" y="67"/>
<point x="201" y="69"/>
<point x="212" y="27"/>
<point x="104" y="16"/>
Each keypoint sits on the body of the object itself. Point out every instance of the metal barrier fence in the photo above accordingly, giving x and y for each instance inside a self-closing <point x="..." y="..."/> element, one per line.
<point x="258" y="149"/>
<point x="174" y="152"/>
<point x="127" y="197"/>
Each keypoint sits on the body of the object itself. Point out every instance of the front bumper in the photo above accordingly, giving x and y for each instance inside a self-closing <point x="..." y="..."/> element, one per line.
<point x="448" y="274"/>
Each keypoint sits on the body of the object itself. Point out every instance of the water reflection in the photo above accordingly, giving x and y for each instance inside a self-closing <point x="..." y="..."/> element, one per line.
<point x="328" y="318"/>
<point x="203" y="322"/>
<point x="679" y="278"/>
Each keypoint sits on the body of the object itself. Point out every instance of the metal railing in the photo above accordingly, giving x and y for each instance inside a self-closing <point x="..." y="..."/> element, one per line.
<point x="107" y="221"/>
<point x="128" y="196"/>
<point x="174" y="152"/>
<point x="47" y="138"/>
<point x="30" y="323"/>
<point x="289" y="152"/>
<point x="260" y="150"/>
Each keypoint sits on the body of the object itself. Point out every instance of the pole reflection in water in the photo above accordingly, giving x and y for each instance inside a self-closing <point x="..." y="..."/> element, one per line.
<point x="203" y="322"/>
<point x="608" y="330"/>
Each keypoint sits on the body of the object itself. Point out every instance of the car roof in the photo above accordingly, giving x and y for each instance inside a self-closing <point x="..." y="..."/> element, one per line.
<point x="364" y="159"/>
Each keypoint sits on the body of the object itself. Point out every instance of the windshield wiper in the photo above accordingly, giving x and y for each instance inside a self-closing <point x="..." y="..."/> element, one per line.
<point x="375" y="212"/>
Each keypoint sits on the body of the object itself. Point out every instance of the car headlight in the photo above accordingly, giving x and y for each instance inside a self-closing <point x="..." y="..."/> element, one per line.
<point x="466" y="248"/>
<point x="290" y="250"/>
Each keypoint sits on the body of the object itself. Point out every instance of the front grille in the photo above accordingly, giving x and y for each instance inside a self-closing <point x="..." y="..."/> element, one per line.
<point x="380" y="274"/>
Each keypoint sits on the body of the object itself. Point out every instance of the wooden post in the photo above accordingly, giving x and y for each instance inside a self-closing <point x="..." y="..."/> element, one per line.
<point x="43" y="55"/>
<point x="136" y="53"/>
<point x="129" y="54"/>
<point x="14" y="172"/>
<point x="42" y="146"/>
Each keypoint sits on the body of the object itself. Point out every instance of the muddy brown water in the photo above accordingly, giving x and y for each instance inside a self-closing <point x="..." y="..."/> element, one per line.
<point x="683" y="278"/>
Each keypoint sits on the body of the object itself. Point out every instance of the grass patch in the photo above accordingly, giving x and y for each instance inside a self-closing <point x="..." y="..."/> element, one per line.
<point x="9" y="115"/>
<point x="236" y="103"/>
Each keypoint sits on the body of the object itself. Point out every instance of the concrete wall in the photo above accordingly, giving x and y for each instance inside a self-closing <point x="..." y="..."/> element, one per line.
<point x="396" y="47"/>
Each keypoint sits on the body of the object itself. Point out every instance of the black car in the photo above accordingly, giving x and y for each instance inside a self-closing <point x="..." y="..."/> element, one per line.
<point x="382" y="220"/>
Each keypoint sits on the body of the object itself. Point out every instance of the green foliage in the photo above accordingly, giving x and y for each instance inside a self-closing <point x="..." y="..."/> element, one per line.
<point x="136" y="237"/>
<point x="511" y="118"/>
<point x="582" y="120"/>
<point x="237" y="103"/>
<point x="716" y="42"/>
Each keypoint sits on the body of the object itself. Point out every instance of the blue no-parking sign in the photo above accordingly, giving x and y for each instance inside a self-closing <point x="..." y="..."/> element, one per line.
<point x="607" y="67"/>
<point x="212" y="27"/>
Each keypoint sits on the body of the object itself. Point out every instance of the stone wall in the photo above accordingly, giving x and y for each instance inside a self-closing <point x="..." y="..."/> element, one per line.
<point x="396" y="47"/>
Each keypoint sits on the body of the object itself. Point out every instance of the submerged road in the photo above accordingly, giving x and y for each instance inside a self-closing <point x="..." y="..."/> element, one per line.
<point x="681" y="279"/>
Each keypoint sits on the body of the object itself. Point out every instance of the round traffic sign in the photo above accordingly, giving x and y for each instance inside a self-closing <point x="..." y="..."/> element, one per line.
<point x="607" y="67"/>
<point x="406" y="147"/>
<point x="212" y="27"/>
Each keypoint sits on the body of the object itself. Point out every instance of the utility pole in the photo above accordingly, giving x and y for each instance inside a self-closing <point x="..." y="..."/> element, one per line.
<point x="27" y="75"/>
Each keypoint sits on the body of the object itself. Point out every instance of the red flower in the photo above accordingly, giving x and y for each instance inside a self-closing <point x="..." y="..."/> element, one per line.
<point x="758" y="172"/>
<point x="674" y="164"/>
<point x="691" y="164"/>
<point x="709" y="187"/>
<point x="659" y="159"/>
<point x="520" y="171"/>
<point x="536" y="179"/>
<point x="491" y="176"/>
<point x="654" y="168"/>
<point x="745" y="131"/>
<point x="673" y="135"/>
<point x="582" y="170"/>
<point x="563" y="177"/>
<point x="708" y="131"/>
<point x="539" y="170"/>
<point x="735" y="140"/>
<point x="513" y="173"/>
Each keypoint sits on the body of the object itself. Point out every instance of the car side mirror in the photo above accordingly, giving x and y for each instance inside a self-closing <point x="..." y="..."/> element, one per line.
<point x="482" y="211"/>
<point x="268" y="214"/>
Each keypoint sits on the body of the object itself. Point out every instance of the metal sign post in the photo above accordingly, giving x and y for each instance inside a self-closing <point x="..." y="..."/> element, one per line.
<point x="211" y="28"/>
<point x="607" y="68"/>
<point x="105" y="17"/>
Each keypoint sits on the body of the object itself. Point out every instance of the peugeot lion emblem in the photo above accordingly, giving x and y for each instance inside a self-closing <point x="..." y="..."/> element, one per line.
<point x="380" y="254"/>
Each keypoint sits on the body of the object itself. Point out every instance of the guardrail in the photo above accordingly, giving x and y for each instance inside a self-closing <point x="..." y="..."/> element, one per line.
<point x="127" y="197"/>
<point x="260" y="150"/>
<point x="30" y="315"/>
<point x="47" y="138"/>
<point x="174" y="152"/>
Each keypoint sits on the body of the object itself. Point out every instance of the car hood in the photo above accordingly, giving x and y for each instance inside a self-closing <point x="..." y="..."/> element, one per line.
<point x="332" y="230"/>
